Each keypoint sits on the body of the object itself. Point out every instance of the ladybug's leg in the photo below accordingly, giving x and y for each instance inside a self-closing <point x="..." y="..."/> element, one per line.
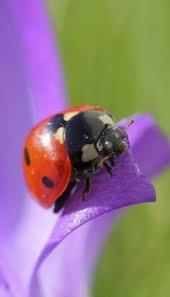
<point x="87" y="189"/>
<point x="108" y="167"/>
<point x="60" y="202"/>
<point x="112" y="160"/>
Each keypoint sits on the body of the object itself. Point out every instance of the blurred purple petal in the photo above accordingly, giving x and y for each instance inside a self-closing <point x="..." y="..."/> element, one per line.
<point x="85" y="253"/>
<point x="31" y="86"/>
<point x="9" y="284"/>
<point x="42" y="60"/>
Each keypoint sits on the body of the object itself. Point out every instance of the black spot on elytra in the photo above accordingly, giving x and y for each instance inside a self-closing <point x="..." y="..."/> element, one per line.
<point x="27" y="157"/>
<point x="47" y="182"/>
<point x="55" y="123"/>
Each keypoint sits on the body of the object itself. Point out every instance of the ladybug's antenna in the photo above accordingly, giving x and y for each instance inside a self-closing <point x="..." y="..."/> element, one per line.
<point x="129" y="124"/>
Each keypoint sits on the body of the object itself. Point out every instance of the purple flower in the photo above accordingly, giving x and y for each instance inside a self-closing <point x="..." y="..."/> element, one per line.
<point x="32" y="263"/>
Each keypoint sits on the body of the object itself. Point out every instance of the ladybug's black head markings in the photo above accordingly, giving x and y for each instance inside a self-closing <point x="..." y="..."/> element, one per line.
<point x="111" y="141"/>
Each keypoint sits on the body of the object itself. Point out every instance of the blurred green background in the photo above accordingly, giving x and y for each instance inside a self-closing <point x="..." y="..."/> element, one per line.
<point x="117" y="54"/>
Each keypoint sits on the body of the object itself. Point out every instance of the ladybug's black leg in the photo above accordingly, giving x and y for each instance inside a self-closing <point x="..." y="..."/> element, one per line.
<point x="108" y="167"/>
<point x="112" y="160"/>
<point x="87" y="189"/>
<point x="60" y="202"/>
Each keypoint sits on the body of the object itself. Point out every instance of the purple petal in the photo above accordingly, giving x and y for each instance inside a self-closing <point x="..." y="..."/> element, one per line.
<point x="74" y="259"/>
<point x="9" y="284"/>
<point x="31" y="86"/>
<point x="42" y="60"/>
<point x="128" y="188"/>
<point x="144" y="141"/>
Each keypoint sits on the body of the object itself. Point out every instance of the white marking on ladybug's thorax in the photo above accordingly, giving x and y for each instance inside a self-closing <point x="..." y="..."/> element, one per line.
<point x="59" y="135"/>
<point x="106" y="119"/>
<point x="89" y="153"/>
<point x="69" y="115"/>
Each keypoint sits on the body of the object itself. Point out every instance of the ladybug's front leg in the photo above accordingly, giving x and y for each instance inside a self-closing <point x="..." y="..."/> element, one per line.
<point x="109" y="167"/>
<point x="112" y="160"/>
<point x="87" y="189"/>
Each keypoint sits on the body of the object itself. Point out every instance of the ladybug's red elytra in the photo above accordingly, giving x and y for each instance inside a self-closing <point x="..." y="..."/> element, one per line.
<point x="69" y="147"/>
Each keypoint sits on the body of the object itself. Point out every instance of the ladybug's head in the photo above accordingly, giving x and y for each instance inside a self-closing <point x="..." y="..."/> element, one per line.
<point x="112" y="140"/>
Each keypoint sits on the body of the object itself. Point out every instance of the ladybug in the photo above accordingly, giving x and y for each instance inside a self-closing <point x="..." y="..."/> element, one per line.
<point x="67" y="148"/>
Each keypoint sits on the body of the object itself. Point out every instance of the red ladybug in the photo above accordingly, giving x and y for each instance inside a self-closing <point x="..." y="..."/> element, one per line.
<point x="69" y="147"/>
